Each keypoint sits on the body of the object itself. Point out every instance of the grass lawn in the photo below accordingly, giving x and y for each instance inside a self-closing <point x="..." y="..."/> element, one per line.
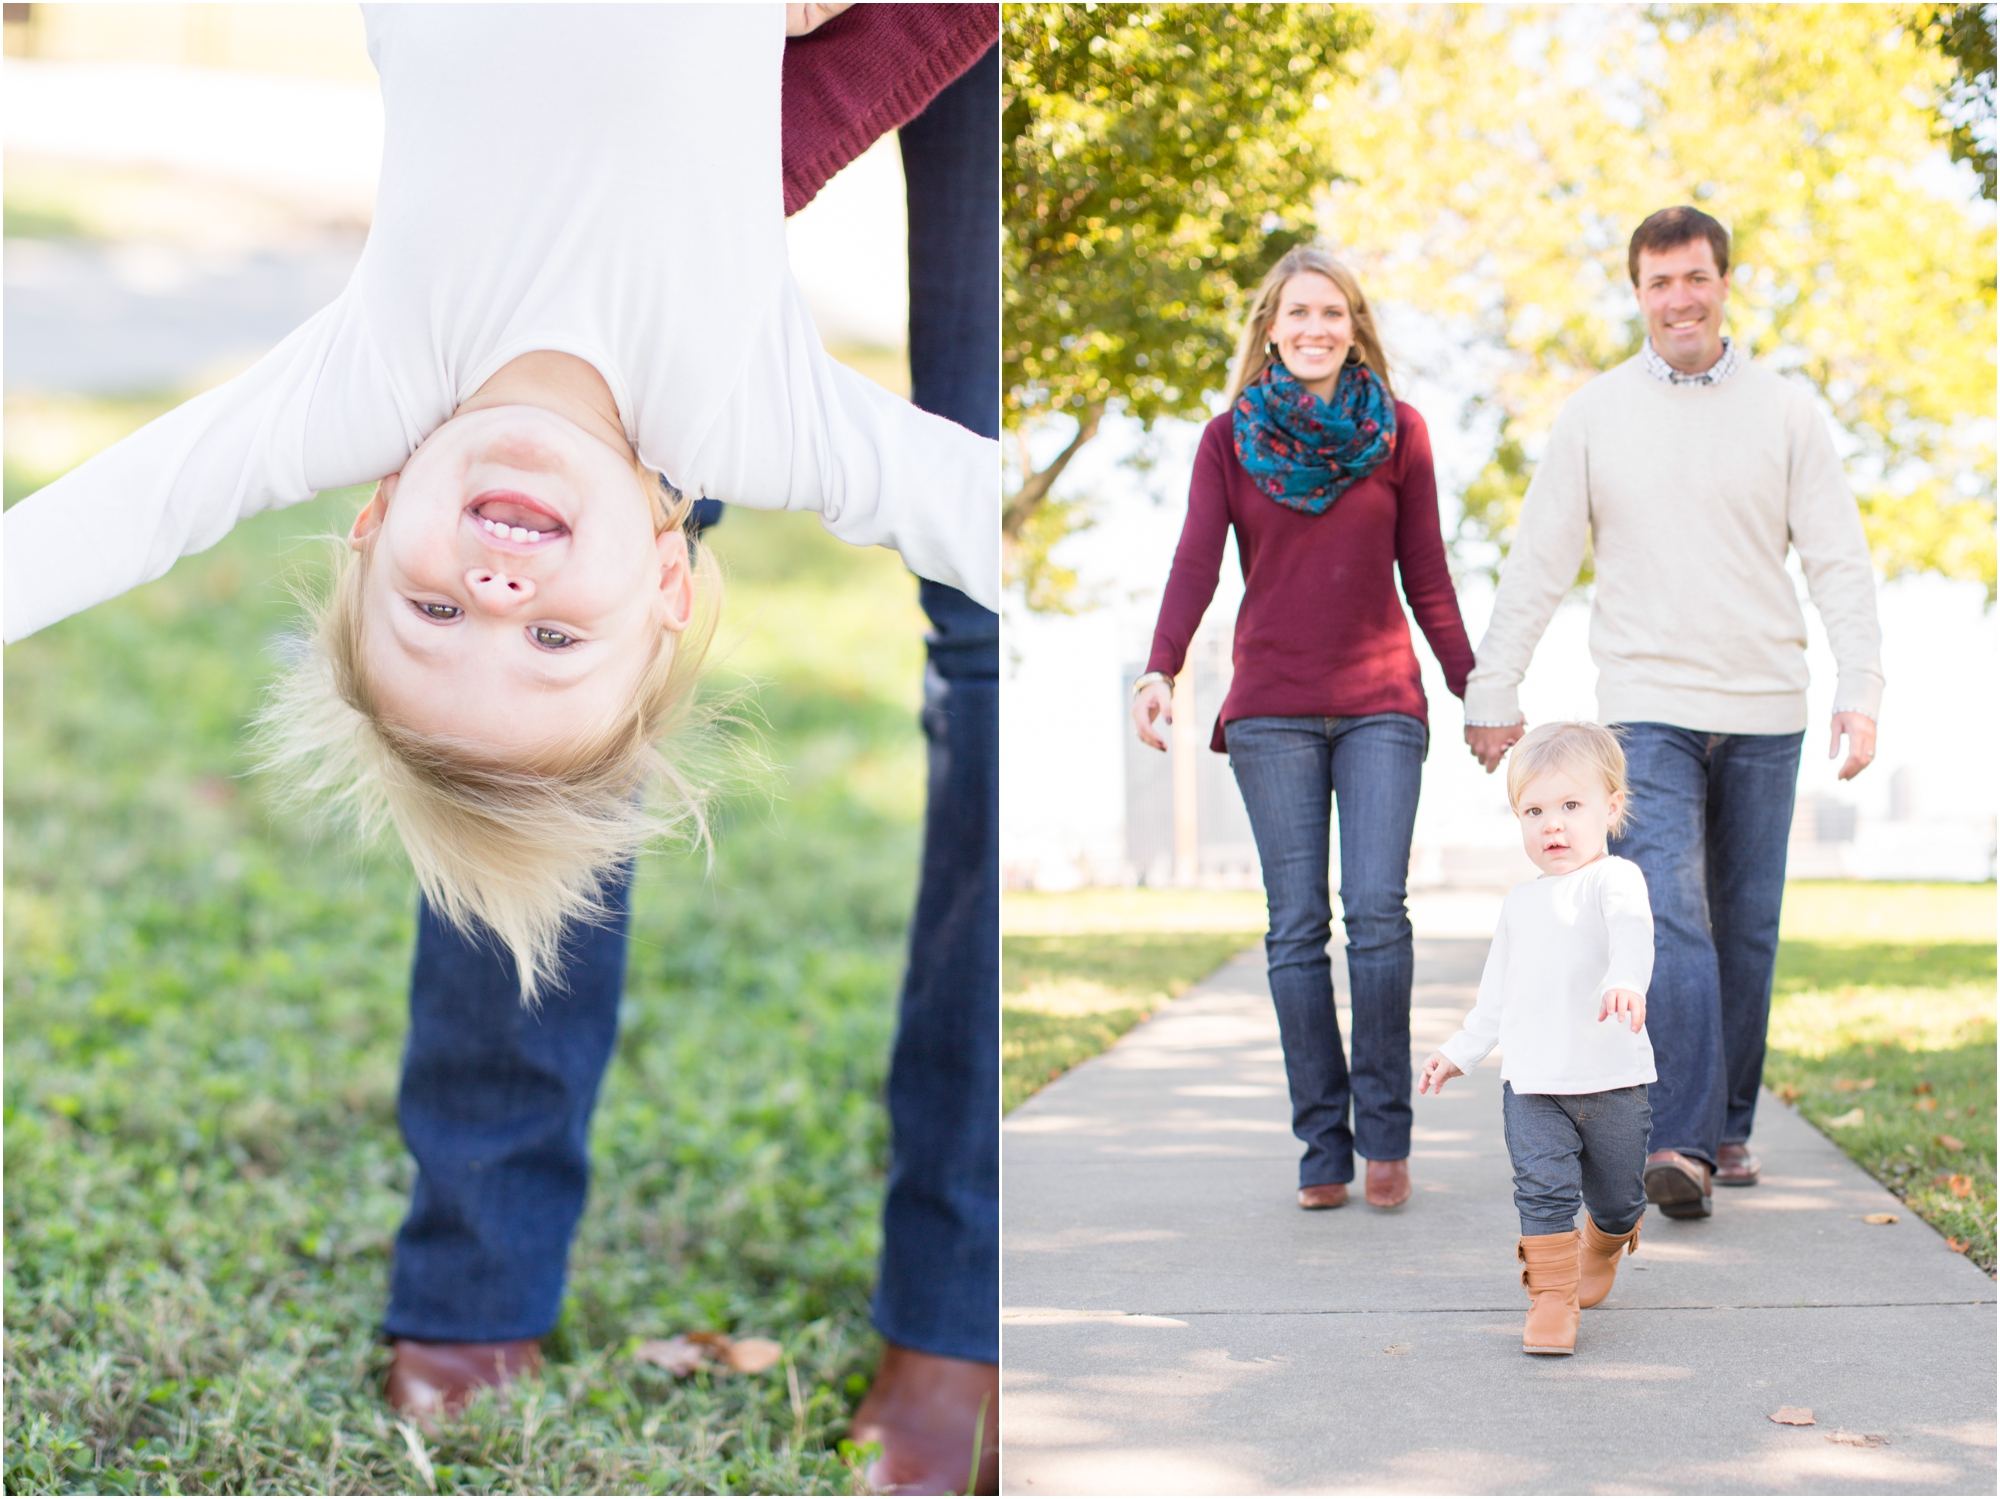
<point x="1080" y="970"/>
<point x="1882" y="1017"/>
<point x="1882" y="1034"/>
<point x="204" y="1017"/>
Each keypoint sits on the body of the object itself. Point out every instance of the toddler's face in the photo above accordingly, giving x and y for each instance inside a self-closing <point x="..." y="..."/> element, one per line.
<point x="1565" y="819"/>
<point x="515" y="586"/>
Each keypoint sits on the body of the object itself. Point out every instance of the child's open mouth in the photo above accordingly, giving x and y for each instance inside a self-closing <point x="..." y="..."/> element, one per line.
<point x="515" y="517"/>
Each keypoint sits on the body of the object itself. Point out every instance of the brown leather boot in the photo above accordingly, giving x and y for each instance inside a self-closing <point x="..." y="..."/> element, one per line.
<point x="931" y="1415"/>
<point x="429" y="1380"/>
<point x="1597" y="1259"/>
<point x="1324" y="1195"/>
<point x="1388" y="1183"/>
<point x="1550" y="1274"/>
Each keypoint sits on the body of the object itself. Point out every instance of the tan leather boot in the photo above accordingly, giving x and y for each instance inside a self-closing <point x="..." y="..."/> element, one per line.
<point x="1597" y="1259"/>
<point x="1550" y="1276"/>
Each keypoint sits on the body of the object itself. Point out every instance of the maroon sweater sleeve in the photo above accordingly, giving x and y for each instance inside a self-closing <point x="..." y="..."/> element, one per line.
<point x="1420" y="556"/>
<point x="865" y="72"/>
<point x="1197" y="560"/>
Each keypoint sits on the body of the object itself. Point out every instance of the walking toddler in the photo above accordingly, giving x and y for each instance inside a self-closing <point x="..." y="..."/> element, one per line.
<point x="1564" y="996"/>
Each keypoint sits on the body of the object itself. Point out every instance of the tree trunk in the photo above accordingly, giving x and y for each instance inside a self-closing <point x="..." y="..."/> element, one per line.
<point x="1036" y="485"/>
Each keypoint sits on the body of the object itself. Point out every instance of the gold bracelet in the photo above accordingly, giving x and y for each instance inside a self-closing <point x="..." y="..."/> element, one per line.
<point x="1148" y="679"/>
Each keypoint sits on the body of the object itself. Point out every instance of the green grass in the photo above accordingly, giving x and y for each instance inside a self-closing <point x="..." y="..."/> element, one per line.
<point x="1901" y="1030"/>
<point x="1080" y="970"/>
<point x="204" y="1016"/>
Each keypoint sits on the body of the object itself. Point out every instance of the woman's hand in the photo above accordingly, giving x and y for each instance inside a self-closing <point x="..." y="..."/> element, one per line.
<point x="799" y="19"/>
<point x="1625" y="1004"/>
<point x="1153" y="702"/>
<point x="1439" y="1069"/>
<point x="1489" y="745"/>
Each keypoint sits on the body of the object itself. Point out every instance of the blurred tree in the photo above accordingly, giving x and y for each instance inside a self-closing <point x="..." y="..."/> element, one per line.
<point x="1494" y="171"/>
<point x="1159" y="158"/>
<point x="1964" y="103"/>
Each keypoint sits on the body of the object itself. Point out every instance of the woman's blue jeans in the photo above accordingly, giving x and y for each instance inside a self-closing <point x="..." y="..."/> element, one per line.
<point x="1711" y="815"/>
<point x="1291" y="771"/>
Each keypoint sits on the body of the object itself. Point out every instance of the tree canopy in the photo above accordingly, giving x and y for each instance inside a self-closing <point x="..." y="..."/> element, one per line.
<point x="1485" y="168"/>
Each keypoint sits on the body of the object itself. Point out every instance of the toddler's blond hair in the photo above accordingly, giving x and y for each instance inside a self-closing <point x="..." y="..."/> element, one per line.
<point x="520" y="848"/>
<point x="1570" y="746"/>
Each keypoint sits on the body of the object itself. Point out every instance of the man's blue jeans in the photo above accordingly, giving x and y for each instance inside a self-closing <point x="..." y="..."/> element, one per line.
<point x="496" y="1102"/>
<point x="1710" y="817"/>
<point x="1290" y="771"/>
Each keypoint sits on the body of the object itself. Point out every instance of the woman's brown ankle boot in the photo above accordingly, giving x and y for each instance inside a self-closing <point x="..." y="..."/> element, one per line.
<point x="1597" y="1259"/>
<point x="1550" y="1276"/>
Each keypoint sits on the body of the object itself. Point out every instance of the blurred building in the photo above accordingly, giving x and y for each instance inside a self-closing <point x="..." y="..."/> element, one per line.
<point x="307" y="41"/>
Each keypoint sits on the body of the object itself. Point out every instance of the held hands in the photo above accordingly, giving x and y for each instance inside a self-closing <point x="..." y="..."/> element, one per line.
<point x="1438" y="1070"/>
<point x="1625" y="1004"/>
<point x="1490" y="745"/>
<point x="1860" y="731"/>
<point x="1154" y="702"/>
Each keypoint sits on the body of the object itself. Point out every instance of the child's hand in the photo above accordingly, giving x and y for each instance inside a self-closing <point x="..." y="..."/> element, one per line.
<point x="1438" y="1069"/>
<point x="1623" y="1002"/>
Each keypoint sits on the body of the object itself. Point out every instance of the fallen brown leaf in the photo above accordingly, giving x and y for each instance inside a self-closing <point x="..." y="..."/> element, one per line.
<point x="1881" y="1218"/>
<point x="682" y="1355"/>
<point x="1923" y="1087"/>
<point x="1856" y="1438"/>
<point x="1961" y="1186"/>
<point x="1950" y="1142"/>
<point x="1849" y="1085"/>
<point x="1793" y="1415"/>
<point x="1848" y="1120"/>
<point x="1396" y="1348"/>
<point x="1958" y="1246"/>
<point x="1925" y="1105"/>
<point x="1788" y="1093"/>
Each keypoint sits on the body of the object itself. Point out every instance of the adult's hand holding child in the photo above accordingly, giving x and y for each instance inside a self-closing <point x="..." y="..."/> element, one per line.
<point x="1438" y="1070"/>
<point x="1490" y="745"/>
<point x="1624" y="1004"/>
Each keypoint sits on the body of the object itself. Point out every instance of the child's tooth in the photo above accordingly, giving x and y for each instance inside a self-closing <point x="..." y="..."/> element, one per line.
<point x="520" y="533"/>
<point x="534" y="536"/>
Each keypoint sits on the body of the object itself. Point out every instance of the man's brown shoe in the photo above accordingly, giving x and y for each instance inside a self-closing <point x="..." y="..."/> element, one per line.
<point x="429" y="1380"/>
<point x="938" y="1420"/>
<point x="1324" y="1195"/>
<point x="1678" y="1184"/>
<point x="1388" y="1183"/>
<point x="1736" y="1167"/>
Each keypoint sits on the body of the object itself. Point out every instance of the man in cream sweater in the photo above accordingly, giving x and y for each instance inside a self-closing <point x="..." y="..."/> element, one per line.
<point x="1692" y="471"/>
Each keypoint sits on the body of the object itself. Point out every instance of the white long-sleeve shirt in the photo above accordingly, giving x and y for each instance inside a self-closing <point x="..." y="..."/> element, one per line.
<point x="1564" y="941"/>
<point x="597" y="180"/>
<point x="1690" y="496"/>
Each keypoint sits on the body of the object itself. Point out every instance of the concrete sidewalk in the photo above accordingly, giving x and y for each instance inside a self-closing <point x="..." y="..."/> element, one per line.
<point x="1173" y="1324"/>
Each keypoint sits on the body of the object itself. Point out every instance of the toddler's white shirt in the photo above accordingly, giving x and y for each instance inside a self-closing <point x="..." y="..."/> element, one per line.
<point x="1563" y="940"/>
<point x="603" y="181"/>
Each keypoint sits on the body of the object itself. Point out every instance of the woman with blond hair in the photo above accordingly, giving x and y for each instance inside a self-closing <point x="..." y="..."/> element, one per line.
<point x="1326" y="479"/>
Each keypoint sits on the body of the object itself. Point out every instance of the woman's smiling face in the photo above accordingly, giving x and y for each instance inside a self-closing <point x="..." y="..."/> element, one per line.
<point x="515" y="586"/>
<point x="1313" y="329"/>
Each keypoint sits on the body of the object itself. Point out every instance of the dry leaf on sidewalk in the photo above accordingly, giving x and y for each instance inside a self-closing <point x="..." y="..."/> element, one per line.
<point x="1848" y="1120"/>
<point x="1950" y="1142"/>
<point x="682" y="1355"/>
<point x="1793" y="1415"/>
<point x="1856" y="1438"/>
<point x="1396" y="1348"/>
<point x="1881" y="1218"/>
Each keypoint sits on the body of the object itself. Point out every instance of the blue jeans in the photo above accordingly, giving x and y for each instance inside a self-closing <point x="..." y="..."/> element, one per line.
<point x="1710" y="817"/>
<point x="496" y="1103"/>
<point x="1573" y="1150"/>
<point x="1290" y="770"/>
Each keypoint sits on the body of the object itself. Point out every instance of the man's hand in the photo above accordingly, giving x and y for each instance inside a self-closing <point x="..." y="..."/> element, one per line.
<point x="799" y="19"/>
<point x="1155" y="701"/>
<point x="1860" y="731"/>
<point x="1438" y="1070"/>
<point x="1489" y="745"/>
<point x="1625" y="1004"/>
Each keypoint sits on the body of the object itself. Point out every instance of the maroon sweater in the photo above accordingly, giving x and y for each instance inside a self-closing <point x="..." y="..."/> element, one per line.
<point x="1320" y="633"/>
<point x="865" y="72"/>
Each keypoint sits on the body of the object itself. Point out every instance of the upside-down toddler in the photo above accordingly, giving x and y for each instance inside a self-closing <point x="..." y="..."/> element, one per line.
<point x="1564" y="996"/>
<point x="575" y="285"/>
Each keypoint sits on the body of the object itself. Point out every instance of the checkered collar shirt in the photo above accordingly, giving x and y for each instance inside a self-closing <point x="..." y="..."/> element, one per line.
<point x="1715" y="374"/>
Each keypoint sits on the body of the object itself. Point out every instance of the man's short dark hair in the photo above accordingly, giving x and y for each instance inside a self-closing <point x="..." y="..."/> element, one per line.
<point x="1671" y="228"/>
